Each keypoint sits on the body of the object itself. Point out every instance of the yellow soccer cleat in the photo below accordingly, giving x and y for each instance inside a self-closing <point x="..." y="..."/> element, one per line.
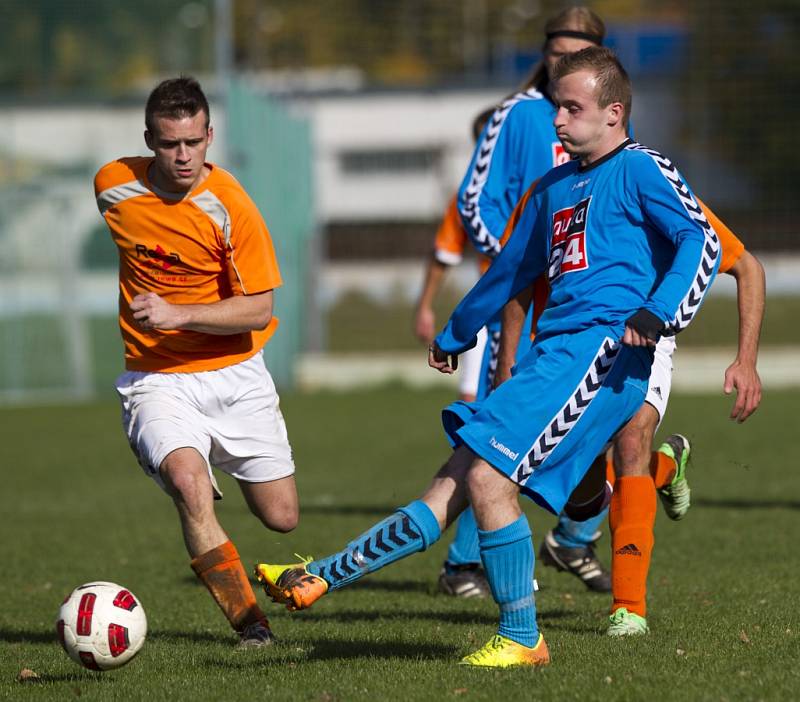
<point x="291" y="585"/>
<point x="500" y="652"/>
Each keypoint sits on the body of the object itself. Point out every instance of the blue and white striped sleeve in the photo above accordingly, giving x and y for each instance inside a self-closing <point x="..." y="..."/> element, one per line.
<point x="671" y="207"/>
<point x="492" y="184"/>
<point x="520" y="262"/>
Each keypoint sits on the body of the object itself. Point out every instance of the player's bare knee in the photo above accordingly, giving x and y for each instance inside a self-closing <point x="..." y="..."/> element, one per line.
<point x="188" y="486"/>
<point x="632" y="444"/>
<point x="457" y="465"/>
<point x="280" y="518"/>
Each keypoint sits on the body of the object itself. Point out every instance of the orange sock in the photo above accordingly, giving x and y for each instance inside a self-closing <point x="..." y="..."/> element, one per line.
<point x="662" y="468"/>
<point x="632" y="515"/>
<point x="611" y="476"/>
<point x="222" y="572"/>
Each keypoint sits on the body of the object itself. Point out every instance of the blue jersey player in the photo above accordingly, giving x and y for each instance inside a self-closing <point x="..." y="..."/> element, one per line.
<point x="517" y="147"/>
<point x="629" y="256"/>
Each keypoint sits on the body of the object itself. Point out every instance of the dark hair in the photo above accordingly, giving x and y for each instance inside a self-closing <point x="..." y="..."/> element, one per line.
<point x="577" y="19"/>
<point x="480" y="121"/>
<point x="176" y="98"/>
<point x="613" y="84"/>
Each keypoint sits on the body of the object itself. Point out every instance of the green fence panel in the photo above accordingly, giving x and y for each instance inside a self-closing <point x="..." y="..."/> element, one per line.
<point x="269" y="151"/>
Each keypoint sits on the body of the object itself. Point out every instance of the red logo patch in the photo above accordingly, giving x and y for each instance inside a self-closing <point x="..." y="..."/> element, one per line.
<point x="125" y="600"/>
<point x="87" y="658"/>
<point x="85" y="610"/>
<point x="118" y="641"/>
<point x="568" y="240"/>
<point x="560" y="157"/>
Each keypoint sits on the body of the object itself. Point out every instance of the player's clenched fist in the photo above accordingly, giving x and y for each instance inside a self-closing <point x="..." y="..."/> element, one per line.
<point x="441" y="360"/>
<point x="152" y="312"/>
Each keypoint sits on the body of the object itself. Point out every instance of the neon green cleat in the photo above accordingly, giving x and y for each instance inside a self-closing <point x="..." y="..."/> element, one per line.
<point x="625" y="623"/>
<point x="676" y="496"/>
<point x="291" y="585"/>
<point x="500" y="652"/>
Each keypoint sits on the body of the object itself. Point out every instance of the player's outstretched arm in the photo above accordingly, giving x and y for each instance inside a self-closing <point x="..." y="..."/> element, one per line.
<point x="742" y="374"/>
<point x="520" y="262"/>
<point x="233" y="315"/>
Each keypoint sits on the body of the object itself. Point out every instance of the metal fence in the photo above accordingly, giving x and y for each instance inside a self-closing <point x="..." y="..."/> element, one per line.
<point x="716" y="86"/>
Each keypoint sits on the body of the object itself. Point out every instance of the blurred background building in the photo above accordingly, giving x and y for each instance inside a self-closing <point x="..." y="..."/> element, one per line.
<point x="348" y="121"/>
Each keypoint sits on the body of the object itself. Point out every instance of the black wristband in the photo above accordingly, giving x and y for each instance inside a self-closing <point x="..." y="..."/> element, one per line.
<point x="647" y="324"/>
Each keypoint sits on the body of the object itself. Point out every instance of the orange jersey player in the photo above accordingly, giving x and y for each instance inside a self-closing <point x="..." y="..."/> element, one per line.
<point x="197" y="272"/>
<point x="198" y="250"/>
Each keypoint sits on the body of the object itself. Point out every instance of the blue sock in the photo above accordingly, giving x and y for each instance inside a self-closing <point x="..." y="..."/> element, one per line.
<point x="412" y="528"/>
<point x="570" y="534"/>
<point x="507" y="556"/>
<point x="465" y="550"/>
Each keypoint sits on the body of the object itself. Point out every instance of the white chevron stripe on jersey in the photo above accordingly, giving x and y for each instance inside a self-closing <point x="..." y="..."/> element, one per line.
<point x="493" y="343"/>
<point x="119" y="193"/>
<point x="568" y="416"/>
<point x="711" y="249"/>
<point x="484" y="241"/>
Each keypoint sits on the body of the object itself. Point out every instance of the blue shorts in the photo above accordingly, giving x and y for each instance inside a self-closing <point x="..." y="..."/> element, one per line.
<point x="489" y="360"/>
<point x="543" y="428"/>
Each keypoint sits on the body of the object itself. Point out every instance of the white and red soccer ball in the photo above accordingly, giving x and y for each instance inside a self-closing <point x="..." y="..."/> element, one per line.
<point x="101" y="625"/>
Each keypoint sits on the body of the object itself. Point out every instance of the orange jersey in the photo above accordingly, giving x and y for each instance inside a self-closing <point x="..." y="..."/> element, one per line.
<point x="732" y="247"/>
<point x="197" y="248"/>
<point x="451" y="239"/>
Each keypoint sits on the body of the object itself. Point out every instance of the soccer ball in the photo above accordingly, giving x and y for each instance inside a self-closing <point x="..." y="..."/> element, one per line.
<point x="101" y="625"/>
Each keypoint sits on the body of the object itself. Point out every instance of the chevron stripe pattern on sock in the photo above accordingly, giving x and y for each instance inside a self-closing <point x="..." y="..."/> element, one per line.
<point x="571" y="412"/>
<point x="388" y="541"/>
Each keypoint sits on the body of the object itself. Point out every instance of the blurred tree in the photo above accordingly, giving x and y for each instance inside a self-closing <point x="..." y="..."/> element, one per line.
<point x="744" y="85"/>
<point x="58" y="48"/>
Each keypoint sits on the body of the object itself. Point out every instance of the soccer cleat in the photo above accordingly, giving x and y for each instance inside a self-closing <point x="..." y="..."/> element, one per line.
<point x="501" y="652"/>
<point x="676" y="496"/>
<point x="625" y="623"/>
<point x="581" y="561"/>
<point x="467" y="580"/>
<point x="256" y="635"/>
<point x="291" y="585"/>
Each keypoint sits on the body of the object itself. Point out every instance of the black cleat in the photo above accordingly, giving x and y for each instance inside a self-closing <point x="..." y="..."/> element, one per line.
<point x="468" y="580"/>
<point x="581" y="562"/>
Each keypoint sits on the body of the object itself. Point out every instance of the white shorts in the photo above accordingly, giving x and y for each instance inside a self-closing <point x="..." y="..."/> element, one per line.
<point x="470" y="366"/>
<point x="661" y="376"/>
<point x="231" y="416"/>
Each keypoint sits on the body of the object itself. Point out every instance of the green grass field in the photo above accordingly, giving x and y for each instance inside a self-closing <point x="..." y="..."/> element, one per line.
<point x="354" y="324"/>
<point x="75" y="506"/>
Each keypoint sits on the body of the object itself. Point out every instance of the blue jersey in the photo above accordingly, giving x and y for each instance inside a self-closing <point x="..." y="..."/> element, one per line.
<point x="622" y="234"/>
<point x="517" y="146"/>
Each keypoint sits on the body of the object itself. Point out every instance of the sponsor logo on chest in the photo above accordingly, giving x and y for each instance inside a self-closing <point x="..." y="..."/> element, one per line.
<point x="568" y="240"/>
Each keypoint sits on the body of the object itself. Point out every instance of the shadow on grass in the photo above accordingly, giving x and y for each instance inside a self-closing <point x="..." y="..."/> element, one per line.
<point x="327" y="649"/>
<point x="171" y="635"/>
<point x="81" y="676"/>
<point x="745" y="504"/>
<point x="28" y="636"/>
<point x="395" y="586"/>
<point x="345" y="616"/>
